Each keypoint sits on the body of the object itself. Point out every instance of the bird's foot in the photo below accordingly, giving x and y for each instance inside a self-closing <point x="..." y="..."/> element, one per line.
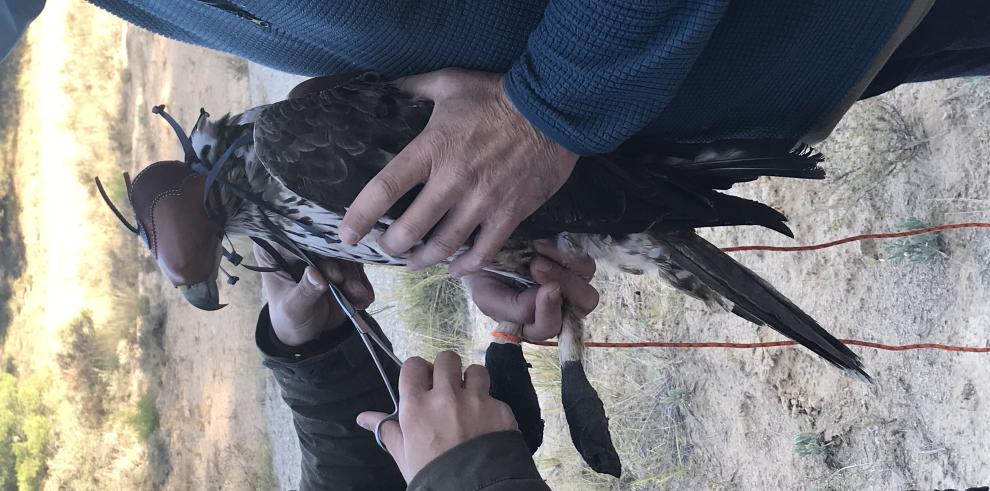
<point x="587" y="421"/>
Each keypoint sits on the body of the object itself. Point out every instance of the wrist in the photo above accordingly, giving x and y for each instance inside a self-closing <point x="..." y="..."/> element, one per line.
<point x="300" y="334"/>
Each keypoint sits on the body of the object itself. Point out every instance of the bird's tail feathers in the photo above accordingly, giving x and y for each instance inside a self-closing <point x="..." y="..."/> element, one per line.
<point x="754" y="299"/>
<point x="741" y="161"/>
<point x="734" y="210"/>
<point x="719" y="165"/>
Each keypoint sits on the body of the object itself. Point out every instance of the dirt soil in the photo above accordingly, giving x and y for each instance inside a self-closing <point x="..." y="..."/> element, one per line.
<point x="721" y="419"/>
<point x="213" y="384"/>
<point x="922" y="151"/>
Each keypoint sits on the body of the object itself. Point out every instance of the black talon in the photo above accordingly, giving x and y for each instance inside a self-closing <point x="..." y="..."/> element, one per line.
<point x="512" y="385"/>
<point x="587" y="421"/>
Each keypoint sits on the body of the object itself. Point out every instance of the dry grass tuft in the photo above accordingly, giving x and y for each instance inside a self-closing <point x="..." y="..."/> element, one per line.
<point x="434" y="309"/>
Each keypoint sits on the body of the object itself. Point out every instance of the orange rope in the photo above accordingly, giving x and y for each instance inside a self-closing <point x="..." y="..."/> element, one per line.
<point x="855" y="238"/>
<point x="767" y="344"/>
<point x="776" y="344"/>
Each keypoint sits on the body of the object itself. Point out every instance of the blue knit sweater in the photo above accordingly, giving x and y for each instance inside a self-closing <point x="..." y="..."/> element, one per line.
<point x="588" y="73"/>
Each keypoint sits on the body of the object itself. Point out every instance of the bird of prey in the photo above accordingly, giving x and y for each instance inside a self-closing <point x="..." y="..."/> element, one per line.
<point x="295" y="166"/>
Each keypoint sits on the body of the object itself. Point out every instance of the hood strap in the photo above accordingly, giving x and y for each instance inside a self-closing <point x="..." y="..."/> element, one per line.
<point x="120" y="216"/>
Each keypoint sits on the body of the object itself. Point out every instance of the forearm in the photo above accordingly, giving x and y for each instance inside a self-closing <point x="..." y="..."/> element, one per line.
<point x="326" y="383"/>
<point x="595" y="73"/>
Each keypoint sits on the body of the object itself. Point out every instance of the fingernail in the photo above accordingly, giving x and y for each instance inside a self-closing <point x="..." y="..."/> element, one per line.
<point x="554" y="294"/>
<point x="312" y="279"/>
<point x="542" y="265"/>
<point x="361" y="422"/>
<point x="348" y="235"/>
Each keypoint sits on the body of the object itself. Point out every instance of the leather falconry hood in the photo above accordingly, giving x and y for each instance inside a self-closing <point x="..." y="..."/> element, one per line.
<point x="167" y="201"/>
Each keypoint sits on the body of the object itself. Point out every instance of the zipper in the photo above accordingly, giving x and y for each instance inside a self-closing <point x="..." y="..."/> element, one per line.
<point x="240" y="12"/>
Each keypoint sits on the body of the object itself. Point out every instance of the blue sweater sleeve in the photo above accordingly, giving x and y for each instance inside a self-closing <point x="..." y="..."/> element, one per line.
<point x="596" y="72"/>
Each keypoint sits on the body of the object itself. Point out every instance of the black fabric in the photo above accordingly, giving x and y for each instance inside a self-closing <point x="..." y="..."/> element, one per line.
<point x="587" y="421"/>
<point x="512" y="385"/>
<point x="271" y="345"/>
<point x="953" y="40"/>
<point x="329" y="381"/>
<point x="326" y="389"/>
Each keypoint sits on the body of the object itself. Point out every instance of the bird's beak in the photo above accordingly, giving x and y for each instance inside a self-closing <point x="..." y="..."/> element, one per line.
<point x="204" y="295"/>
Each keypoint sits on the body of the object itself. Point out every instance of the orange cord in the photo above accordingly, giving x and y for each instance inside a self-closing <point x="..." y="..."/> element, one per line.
<point x="774" y="344"/>
<point x="855" y="238"/>
<point x="768" y="344"/>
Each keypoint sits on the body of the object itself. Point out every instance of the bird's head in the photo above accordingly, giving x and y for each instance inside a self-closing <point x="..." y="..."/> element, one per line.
<point x="167" y="198"/>
<point x="173" y="221"/>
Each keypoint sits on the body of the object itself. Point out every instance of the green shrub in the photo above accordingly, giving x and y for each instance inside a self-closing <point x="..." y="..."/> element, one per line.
<point x="25" y="432"/>
<point x="144" y="420"/>
<point x="809" y="445"/>
<point x="31" y="451"/>
<point x="924" y="249"/>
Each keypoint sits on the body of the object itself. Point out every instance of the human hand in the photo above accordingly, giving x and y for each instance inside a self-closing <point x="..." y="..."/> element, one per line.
<point x="301" y="311"/>
<point x="538" y="309"/>
<point x="438" y="410"/>
<point x="483" y="164"/>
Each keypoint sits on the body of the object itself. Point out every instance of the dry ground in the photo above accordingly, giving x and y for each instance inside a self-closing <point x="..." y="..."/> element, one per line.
<point x="728" y="419"/>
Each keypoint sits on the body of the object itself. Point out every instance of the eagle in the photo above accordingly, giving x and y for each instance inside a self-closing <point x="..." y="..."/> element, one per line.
<point x="287" y="172"/>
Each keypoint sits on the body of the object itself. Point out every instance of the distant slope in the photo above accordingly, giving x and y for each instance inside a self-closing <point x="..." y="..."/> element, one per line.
<point x="11" y="241"/>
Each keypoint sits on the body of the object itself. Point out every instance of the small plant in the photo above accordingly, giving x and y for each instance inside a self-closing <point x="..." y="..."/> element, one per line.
<point x="86" y="362"/>
<point x="676" y="397"/>
<point x="810" y="445"/>
<point x="922" y="249"/>
<point x="25" y="431"/>
<point x="144" y="420"/>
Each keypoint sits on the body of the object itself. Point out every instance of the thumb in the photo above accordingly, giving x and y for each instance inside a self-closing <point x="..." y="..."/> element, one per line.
<point x="307" y="296"/>
<point x="420" y="86"/>
<point x="369" y="419"/>
<point x="436" y="85"/>
<point x="548" y="313"/>
<point x="391" y="433"/>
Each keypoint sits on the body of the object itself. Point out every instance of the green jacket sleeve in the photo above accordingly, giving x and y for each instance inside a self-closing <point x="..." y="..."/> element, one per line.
<point x="327" y="383"/>
<point x="494" y="462"/>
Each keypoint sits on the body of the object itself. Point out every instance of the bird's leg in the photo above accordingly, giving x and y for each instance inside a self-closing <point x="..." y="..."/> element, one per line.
<point x="583" y="408"/>
<point x="510" y="328"/>
<point x="511" y="383"/>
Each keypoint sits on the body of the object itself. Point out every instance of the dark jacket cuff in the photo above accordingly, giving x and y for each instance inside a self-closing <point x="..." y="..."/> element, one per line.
<point x="275" y="350"/>
<point x="493" y="462"/>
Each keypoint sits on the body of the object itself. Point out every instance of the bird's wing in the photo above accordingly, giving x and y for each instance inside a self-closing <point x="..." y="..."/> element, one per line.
<point x="326" y="146"/>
